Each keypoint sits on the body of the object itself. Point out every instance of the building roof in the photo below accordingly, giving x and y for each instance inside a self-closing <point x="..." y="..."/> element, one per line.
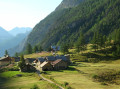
<point x="56" y="61"/>
<point x="30" y="60"/>
<point x="44" y="63"/>
<point x="50" y="58"/>
<point x="41" y="59"/>
<point x="55" y="47"/>
<point x="61" y="57"/>
<point x="4" y="58"/>
<point x="16" y="57"/>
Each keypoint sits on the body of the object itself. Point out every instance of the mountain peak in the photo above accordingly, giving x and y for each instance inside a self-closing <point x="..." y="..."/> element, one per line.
<point x="68" y="4"/>
<point x="18" y="30"/>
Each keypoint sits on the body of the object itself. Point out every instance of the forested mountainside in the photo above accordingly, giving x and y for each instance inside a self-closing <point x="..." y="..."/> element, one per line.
<point x="65" y="25"/>
<point x="68" y="4"/>
<point x="88" y="17"/>
<point x="41" y="30"/>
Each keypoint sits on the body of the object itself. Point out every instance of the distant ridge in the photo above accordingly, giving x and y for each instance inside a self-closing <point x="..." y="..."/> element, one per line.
<point x="4" y="34"/>
<point x="18" y="30"/>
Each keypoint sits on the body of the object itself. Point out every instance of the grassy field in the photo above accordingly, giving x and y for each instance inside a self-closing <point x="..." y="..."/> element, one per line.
<point x="90" y="70"/>
<point x="35" y="55"/>
<point x="80" y="75"/>
<point x="9" y="80"/>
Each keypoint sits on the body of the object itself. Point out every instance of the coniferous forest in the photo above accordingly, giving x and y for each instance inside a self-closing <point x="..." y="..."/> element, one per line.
<point x="66" y="24"/>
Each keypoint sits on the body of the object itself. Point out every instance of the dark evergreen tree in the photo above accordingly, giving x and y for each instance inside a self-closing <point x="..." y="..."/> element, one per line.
<point x="29" y="49"/>
<point x="40" y="49"/>
<point x="104" y="41"/>
<point x="6" y="53"/>
<point x="35" y="49"/>
<point x="116" y="44"/>
<point x="64" y="48"/>
<point x="16" y="54"/>
<point x="49" y="49"/>
<point x="80" y="44"/>
<point x="22" y="64"/>
<point x="95" y="40"/>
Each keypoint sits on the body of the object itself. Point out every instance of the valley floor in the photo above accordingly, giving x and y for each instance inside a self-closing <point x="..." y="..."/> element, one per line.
<point x="8" y="80"/>
<point x="80" y="76"/>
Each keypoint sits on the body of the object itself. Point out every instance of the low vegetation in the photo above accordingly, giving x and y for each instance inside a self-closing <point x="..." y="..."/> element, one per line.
<point x="20" y="80"/>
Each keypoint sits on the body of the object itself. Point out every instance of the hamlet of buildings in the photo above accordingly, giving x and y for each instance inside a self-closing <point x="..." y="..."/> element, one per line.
<point x="53" y="62"/>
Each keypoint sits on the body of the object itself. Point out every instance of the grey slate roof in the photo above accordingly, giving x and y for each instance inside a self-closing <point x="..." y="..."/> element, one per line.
<point x="50" y="58"/>
<point x="61" y="57"/>
<point x="41" y="59"/>
<point x="30" y="60"/>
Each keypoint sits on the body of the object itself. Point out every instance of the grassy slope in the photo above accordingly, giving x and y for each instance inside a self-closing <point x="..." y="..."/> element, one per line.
<point x="27" y="81"/>
<point x="83" y="78"/>
<point x="35" y="55"/>
<point x="80" y="75"/>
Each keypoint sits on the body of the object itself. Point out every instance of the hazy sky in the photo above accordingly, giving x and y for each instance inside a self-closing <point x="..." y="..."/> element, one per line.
<point x="25" y="13"/>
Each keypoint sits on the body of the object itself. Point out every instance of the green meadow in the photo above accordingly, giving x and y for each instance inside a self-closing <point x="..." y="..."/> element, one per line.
<point x="9" y="80"/>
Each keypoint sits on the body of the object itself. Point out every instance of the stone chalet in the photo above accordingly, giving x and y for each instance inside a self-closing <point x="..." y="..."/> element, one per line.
<point x="30" y="60"/>
<point x="46" y="66"/>
<point x="55" y="48"/>
<point x="5" y="60"/>
<point x="53" y="63"/>
<point x="59" y="64"/>
<point x="15" y="59"/>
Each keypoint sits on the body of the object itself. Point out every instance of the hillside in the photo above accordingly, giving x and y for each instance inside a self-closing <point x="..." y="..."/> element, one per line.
<point x="65" y="25"/>
<point x="69" y="4"/>
<point x="13" y="42"/>
<point x="41" y="30"/>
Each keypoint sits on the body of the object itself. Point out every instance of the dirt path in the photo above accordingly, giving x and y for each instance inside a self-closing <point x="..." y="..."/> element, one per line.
<point x="49" y="80"/>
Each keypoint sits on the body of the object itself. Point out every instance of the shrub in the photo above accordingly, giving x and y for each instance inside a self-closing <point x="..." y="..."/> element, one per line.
<point x="109" y="76"/>
<point x="103" y="83"/>
<point x="95" y="76"/>
<point x="93" y="60"/>
<point x="35" y="87"/>
<point x="14" y="69"/>
<point x="66" y="83"/>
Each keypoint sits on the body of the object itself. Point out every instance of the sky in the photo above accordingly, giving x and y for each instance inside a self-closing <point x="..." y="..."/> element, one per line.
<point x="25" y="13"/>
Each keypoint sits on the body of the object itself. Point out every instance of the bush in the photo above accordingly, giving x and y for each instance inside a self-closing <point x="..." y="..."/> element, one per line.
<point x="3" y="70"/>
<point x="94" y="76"/>
<point x="66" y="83"/>
<point x="14" y="69"/>
<point x="109" y="76"/>
<point x="103" y="83"/>
<point x="93" y="60"/>
<point x="35" y="87"/>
